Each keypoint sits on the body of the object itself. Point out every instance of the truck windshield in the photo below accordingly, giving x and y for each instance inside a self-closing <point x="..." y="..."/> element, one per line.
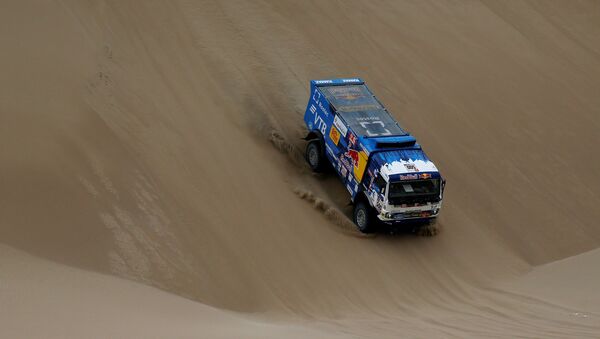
<point x="414" y="191"/>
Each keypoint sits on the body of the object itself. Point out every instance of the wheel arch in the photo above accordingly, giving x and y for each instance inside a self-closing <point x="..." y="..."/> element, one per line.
<point x="314" y="134"/>
<point x="361" y="196"/>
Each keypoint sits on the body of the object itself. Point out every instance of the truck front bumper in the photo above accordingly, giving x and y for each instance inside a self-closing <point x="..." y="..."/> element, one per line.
<point x="402" y="222"/>
<point x="399" y="216"/>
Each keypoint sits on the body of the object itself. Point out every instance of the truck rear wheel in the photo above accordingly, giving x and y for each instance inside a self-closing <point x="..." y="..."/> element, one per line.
<point x="314" y="156"/>
<point x="364" y="218"/>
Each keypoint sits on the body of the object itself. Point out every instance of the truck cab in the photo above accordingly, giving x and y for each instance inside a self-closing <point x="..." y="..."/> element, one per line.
<point x="389" y="177"/>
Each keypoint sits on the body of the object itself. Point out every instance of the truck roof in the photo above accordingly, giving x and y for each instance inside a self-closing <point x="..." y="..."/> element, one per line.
<point x="365" y="116"/>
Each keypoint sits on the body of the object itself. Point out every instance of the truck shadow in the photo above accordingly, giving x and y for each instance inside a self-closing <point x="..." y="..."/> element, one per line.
<point x="411" y="230"/>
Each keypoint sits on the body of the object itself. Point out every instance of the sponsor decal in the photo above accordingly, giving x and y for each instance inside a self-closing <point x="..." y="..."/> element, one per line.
<point x="340" y="126"/>
<point x="353" y="154"/>
<point x="368" y="118"/>
<point x="320" y="124"/>
<point x="425" y="176"/>
<point x="351" y="139"/>
<point x="316" y="96"/>
<point x="334" y="135"/>
<point x="409" y="176"/>
<point x="344" y="161"/>
<point x="351" y="96"/>
<point x="323" y="82"/>
<point x="359" y="162"/>
<point x="322" y="108"/>
<point x="411" y="167"/>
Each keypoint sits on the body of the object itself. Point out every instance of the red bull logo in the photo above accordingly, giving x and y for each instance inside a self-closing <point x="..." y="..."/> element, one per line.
<point x="359" y="162"/>
<point x="353" y="154"/>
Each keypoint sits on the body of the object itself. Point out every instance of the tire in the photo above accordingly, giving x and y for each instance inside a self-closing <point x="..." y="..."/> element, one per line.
<point x="364" y="218"/>
<point x="315" y="157"/>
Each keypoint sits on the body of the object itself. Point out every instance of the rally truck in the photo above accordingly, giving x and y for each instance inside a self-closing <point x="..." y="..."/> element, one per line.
<point x="390" y="178"/>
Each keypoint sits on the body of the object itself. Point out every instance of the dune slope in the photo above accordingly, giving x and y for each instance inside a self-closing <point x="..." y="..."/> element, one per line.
<point x="160" y="142"/>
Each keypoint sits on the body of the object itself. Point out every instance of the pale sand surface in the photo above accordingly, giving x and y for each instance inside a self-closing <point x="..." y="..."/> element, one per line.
<point x="137" y="149"/>
<point x="572" y="282"/>
<point x="41" y="299"/>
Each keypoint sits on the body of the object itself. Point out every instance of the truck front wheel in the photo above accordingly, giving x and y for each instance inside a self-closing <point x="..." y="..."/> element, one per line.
<point x="364" y="218"/>
<point x="315" y="156"/>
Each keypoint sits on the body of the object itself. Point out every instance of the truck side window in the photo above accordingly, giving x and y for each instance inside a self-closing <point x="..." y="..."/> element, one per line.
<point x="380" y="183"/>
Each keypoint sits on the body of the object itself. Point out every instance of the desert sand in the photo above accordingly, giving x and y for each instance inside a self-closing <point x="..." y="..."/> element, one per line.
<point x="153" y="186"/>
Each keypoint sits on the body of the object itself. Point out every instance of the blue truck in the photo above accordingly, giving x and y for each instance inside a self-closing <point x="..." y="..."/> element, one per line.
<point x="390" y="178"/>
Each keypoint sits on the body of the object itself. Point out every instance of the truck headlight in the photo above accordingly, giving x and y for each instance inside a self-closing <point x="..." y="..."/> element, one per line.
<point x="388" y="215"/>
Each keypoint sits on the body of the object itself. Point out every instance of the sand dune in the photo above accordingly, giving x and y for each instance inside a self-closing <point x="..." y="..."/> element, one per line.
<point x="160" y="142"/>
